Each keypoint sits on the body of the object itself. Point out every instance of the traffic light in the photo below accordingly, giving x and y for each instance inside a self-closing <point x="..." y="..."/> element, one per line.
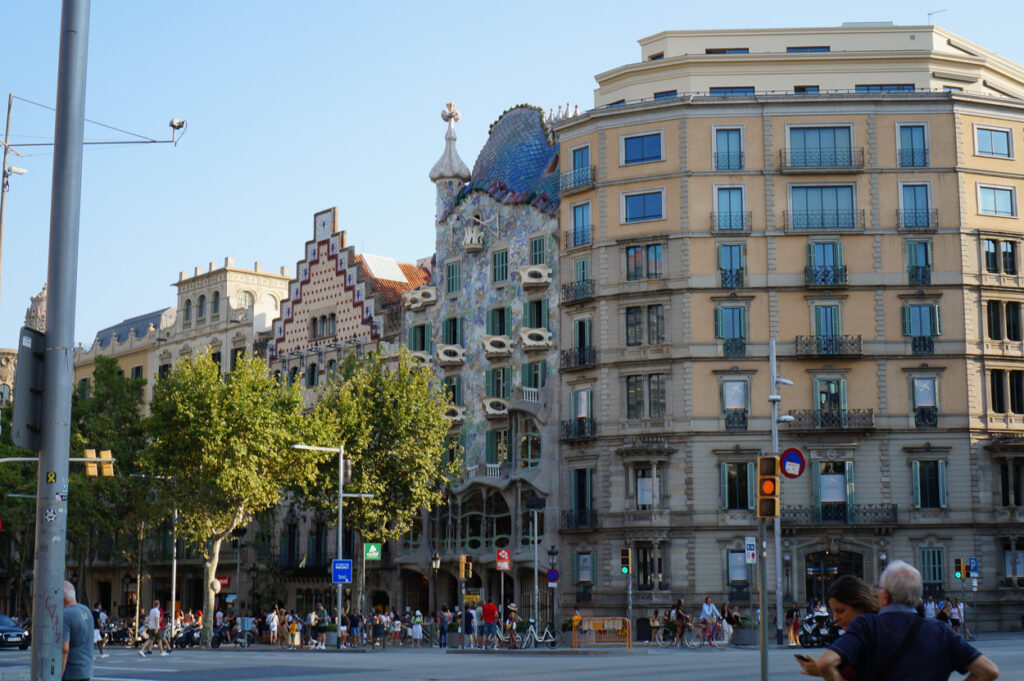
<point x="90" y="468"/>
<point x="958" y="568"/>
<point x="626" y="560"/>
<point x="469" y="567"/>
<point x="106" y="464"/>
<point x="767" y="486"/>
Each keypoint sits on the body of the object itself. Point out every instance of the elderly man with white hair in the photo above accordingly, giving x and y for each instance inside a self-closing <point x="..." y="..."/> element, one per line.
<point x="76" y="650"/>
<point x="897" y="644"/>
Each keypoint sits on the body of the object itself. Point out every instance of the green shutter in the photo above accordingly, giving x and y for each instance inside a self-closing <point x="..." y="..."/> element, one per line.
<point x="428" y="339"/>
<point x="508" y="320"/>
<point x="544" y="313"/>
<point x="942" y="484"/>
<point x="723" y="480"/>
<point x="460" y="330"/>
<point x="751" y="486"/>
<point x="842" y="394"/>
<point x="743" y="322"/>
<point x="490" y="382"/>
<point x="543" y="373"/>
<point x="905" y="311"/>
<point x="816" y="489"/>
<point x="851" y="506"/>
<point x="915" y="475"/>
<point x="492" y="447"/>
<point x="507" y="383"/>
<point x="525" y="376"/>
<point x="810" y="254"/>
<point x="490" y="322"/>
<point x="412" y="331"/>
<point x="718" y="322"/>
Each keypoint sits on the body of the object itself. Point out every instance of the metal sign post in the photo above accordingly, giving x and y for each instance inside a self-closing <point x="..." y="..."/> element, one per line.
<point x="762" y="598"/>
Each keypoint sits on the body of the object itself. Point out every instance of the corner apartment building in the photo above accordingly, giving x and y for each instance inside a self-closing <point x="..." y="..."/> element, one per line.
<point x="851" y="192"/>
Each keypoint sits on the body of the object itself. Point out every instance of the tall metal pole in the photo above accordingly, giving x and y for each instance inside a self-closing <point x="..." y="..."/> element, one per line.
<point x="3" y="181"/>
<point x="238" y="589"/>
<point x="536" y="593"/>
<point x="65" y="210"/>
<point x="776" y="521"/>
<point x="762" y="597"/>
<point x="174" y="574"/>
<point x="341" y="491"/>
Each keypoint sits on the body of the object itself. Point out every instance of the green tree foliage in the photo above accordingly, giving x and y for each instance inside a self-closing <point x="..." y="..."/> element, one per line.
<point x="17" y="540"/>
<point x="225" y="446"/>
<point x="105" y="515"/>
<point x="390" y="416"/>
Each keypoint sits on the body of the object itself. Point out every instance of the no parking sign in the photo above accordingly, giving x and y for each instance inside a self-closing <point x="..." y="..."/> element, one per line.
<point x="792" y="463"/>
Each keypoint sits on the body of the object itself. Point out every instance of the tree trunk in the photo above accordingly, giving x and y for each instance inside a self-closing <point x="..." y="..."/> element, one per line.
<point x="209" y="574"/>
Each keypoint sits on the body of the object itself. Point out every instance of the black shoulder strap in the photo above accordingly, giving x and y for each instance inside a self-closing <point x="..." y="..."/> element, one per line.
<point x="908" y="638"/>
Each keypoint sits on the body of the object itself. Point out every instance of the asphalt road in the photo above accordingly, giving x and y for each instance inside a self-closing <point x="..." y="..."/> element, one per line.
<point x="734" y="664"/>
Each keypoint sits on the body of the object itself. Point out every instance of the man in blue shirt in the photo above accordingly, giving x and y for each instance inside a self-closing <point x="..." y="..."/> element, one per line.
<point x="874" y="643"/>
<point x="76" y="652"/>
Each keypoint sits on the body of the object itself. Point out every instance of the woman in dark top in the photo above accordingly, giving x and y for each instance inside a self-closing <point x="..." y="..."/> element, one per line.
<point x="793" y="624"/>
<point x="849" y="598"/>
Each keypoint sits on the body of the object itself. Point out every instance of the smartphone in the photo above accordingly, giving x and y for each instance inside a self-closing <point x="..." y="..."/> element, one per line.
<point x="802" y="658"/>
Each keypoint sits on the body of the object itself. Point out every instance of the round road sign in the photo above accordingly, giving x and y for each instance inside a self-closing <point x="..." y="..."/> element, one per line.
<point x="552" y="575"/>
<point x="792" y="463"/>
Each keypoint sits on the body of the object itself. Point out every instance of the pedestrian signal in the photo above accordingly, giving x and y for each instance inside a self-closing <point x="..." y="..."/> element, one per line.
<point x="767" y="486"/>
<point x="626" y="560"/>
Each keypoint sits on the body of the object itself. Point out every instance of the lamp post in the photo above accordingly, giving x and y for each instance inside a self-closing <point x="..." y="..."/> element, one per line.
<point x="553" y="563"/>
<point x="435" y="562"/>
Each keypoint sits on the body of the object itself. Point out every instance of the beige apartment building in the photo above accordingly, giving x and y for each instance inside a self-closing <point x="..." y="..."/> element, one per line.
<point x="852" y="193"/>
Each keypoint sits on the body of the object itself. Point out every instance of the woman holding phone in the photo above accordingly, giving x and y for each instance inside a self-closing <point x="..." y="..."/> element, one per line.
<point x="849" y="598"/>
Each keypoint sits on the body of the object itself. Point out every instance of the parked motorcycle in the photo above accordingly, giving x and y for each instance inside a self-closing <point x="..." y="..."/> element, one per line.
<point x="189" y="637"/>
<point x="818" y="631"/>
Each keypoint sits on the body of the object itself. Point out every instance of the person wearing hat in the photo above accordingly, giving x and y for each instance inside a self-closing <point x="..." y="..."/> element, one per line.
<point x="512" y="626"/>
<point x="417" y="629"/>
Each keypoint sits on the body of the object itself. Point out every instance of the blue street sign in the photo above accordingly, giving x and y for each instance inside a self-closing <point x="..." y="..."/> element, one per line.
<point x="552" y="575"/>
<point x="341" y="571"/>
<point x="972" y="566"/>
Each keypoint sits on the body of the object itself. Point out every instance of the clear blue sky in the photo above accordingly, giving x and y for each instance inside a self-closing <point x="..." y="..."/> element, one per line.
<point x="292" y="109"/>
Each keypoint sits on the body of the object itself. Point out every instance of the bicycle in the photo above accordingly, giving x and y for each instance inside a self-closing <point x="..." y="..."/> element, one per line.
<point x="550" y="637"/>
<point x="503" y="636"/>
<point x="712" y="634"/>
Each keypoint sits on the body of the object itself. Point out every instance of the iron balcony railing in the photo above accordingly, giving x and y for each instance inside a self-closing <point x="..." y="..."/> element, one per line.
<point x="577" y="290"/>
<point x="825" y="219"/>
<point x="926" y="417"/>
<point x="734" y="347"/>
<point x="918" y="219"/>
<point x="913" y="158"/>
<point x="840" y="513"/>
<point x="739" y="593"/>
<point x="735" y="419"/>
<point x="579" y="519"/>
<point x="831" y="346"/>
<point x="841" y="419"/>
<point x="922" y="345"/>
<point x="825" y="275"/>
<point x="919" y="275"/>
<point x="577" y="358"/>
<point x="578" y="178"/>
<point x="848" y="158"/>
<point x="584" y="592"/>
<point x="578" y="429"/>
<point x="730" y="222"/>
<point x="577" y="236"/>
<point x="731" y="278"/>
<point x="729" y="160"/>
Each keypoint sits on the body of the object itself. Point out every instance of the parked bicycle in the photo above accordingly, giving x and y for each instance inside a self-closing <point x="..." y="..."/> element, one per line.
<point x="550" y="636"/>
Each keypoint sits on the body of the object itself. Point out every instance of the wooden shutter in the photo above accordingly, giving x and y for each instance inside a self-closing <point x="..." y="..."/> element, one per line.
<point x="723" y="481"/>
<point x="942" y="484"/>
<point x="915" y="474"/>
<point x="905" y="311"/>
<point x="718" y="323"/>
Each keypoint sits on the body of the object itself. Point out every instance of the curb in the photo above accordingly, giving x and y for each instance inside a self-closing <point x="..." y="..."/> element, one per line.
<point x="542" y="652"/>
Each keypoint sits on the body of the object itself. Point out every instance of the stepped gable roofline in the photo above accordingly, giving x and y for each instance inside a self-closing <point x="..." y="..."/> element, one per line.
<point x="137" y="326"/>
<point x="518" y="163"/>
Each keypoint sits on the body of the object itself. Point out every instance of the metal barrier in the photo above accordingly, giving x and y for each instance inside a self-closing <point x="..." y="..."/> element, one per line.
<point x="588" y="631"/>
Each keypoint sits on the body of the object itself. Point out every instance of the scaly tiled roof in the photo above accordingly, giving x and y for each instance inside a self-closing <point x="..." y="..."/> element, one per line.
<point x="139" y="326"/>
<point x="391" y="291"/>
<point x="519" y="162"/>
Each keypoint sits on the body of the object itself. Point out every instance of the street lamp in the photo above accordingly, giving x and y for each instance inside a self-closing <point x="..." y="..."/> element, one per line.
<point x="435" y="562"/>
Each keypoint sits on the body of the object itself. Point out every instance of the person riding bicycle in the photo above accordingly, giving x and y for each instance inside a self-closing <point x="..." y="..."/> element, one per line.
<point x="682" y="620"/>
<point x="709" y="613"/>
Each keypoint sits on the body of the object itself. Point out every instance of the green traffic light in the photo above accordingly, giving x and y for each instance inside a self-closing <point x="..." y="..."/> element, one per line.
<point x="625" y="570"/>
<point x="959" y="575"/>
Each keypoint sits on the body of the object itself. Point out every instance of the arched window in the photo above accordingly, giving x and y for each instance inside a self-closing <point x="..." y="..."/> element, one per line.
<point x="332" y="366"/>
<point x="526" y="494"/>
<point x="311" y="376"/>
<point x="245" y="300"/>
<point x="472" y="516"/>
<point x="215" y="304"/>
<point x="529" y="445"/>
<point x="441" y="527"/>
<point x="201" y="308"/>
<point x="412" y="539"/>
<point x="188" y="310"/>
<point x="292" y="375"/>
<point x="499" y="521"/>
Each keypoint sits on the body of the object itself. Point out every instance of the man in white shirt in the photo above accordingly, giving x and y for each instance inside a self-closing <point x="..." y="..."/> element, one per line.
<point x="154" y="632"/>
<point x="272" y="625"/>
<point x="930" y="608"/>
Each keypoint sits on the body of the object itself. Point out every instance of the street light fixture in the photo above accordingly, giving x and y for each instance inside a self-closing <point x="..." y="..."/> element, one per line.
<point x="553" y="563"/>
<point x="435" y="562"/>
